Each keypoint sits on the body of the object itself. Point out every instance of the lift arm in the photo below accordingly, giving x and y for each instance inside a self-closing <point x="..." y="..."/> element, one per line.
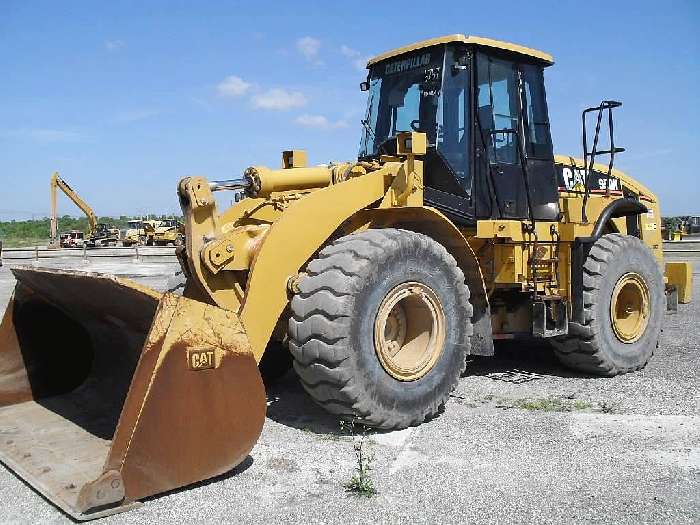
<point x="58" y="182"/>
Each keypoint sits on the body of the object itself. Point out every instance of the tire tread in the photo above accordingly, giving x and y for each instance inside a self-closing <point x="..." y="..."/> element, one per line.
<point x="321" y="357"/>
<point x="581" y="349"/>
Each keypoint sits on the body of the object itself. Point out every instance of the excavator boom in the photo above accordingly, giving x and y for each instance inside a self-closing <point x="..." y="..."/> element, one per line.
<point x="58" y="183"/>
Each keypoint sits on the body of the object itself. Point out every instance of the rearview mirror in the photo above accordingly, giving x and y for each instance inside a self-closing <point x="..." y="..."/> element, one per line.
<point x="461" y="64"/>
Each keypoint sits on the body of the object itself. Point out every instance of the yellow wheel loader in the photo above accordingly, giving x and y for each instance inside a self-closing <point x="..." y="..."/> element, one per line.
<point x="169" y="231"/>
<point x="456" y="226"/>
<point x="140" y="232"/>
<point x="131" y="235"/>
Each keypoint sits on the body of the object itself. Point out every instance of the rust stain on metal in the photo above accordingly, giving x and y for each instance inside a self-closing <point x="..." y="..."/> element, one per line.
<point x="88" y="401"/>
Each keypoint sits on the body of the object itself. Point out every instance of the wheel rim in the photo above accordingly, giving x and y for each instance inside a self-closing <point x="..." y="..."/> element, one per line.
<point x="409" y="331"/>
<point x="629" y="308"/>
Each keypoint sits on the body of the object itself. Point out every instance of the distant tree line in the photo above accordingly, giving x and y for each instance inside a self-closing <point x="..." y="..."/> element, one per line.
<point x="37" y="231"/>
<point x="684" y="223"/>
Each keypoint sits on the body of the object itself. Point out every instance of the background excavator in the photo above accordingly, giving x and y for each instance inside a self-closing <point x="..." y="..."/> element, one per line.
<point x="99" y="234"/>
<point x="455" y="226"/>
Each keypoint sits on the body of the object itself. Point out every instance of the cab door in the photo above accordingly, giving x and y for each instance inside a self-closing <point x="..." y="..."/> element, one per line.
<point x="447" y="163"/>
<point x="509" y="109"/>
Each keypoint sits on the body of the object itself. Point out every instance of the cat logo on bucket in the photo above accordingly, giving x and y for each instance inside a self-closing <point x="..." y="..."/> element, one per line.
<point x="201" y="359"/>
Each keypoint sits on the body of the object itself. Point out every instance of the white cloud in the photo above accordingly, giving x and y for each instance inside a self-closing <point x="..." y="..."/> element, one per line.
<point x="348" y="51"/>
<point x="233" y="86"/>
<point x="44" y="135"/>
<point x="358" y="61"/>
<point x="279" y="99"/>
<point x="114" y="45"/>
<point x="319" y="121"/>
<point x="309" y="48"/>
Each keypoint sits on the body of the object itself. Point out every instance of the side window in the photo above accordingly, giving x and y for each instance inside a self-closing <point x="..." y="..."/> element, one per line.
<point x="405" y="110"/>
<point x="497" y="107"/>
<point x="453" y="114"/>
<point x="539" y="141"/>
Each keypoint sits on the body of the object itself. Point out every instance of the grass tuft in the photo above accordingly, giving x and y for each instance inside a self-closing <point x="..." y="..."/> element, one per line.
<point x="554" y="404"/>
<point x="361" y="483"/>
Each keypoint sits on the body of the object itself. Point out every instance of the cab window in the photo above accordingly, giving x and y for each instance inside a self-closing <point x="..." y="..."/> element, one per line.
<point x="453" y="116"/>
<point x="539" y="140"/>
<point x="497" y="108"/>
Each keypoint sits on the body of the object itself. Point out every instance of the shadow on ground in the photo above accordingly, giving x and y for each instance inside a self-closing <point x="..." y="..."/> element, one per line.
<point x="513" y="362"/>
<point x="239" y="469"/>
<point x="290" y="405"/>
<point x="520" y="361"/>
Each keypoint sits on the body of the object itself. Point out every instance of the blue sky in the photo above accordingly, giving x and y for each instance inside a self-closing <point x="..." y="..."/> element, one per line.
<point x="125" y="98"/>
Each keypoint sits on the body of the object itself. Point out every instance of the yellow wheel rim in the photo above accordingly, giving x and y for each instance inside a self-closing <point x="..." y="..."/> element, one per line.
<point x="629" y="308"/>
<point x="409" y="331"/>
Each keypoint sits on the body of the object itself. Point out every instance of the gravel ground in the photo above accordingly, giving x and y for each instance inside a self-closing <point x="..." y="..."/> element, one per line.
<point x="521" y="440"/>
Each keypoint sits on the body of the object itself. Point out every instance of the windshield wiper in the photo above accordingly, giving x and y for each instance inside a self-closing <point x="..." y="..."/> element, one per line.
<point x="368" y="113"/>
<point x="369" y="129"/>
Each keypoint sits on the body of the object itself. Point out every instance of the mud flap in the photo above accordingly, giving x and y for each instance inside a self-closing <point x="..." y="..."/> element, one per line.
<point x="110" y="392"/>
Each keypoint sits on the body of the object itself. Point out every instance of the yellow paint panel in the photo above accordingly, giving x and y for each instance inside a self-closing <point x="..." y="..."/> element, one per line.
<point x="301" y="229"/>
<point x="681" y="274"/>
<point x="465" y="39"/>
<point x="625" y="179"/>
<point x="505" y="229"/>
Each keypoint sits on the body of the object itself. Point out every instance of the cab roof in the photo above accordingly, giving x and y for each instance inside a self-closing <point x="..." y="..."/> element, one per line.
<point x="541" y="56"/>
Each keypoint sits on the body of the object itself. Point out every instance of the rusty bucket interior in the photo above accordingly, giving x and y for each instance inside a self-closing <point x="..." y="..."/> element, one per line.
<point x="111" y="392"/>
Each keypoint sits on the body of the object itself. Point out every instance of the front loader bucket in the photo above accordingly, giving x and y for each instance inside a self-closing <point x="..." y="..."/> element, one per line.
<point x="110" y="392"/>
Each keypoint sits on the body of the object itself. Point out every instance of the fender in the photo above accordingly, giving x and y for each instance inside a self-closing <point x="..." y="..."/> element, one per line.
<point x="431" y="222"/>
<point x="617" y="208"/>
<point x="581" y="247"/>
<point x="292" y="240"/>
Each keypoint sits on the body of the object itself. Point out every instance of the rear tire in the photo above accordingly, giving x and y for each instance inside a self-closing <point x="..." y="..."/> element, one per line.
<point x="369" y="290"/>
<point x="623" y="293"/>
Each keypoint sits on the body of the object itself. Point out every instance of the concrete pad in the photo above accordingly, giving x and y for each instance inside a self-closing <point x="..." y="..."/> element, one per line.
<point x="630" y="455"/>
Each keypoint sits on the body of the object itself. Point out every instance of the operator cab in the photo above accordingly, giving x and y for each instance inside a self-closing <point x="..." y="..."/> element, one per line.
<point x="482" y="105"/>
<point x="169" y="223"/>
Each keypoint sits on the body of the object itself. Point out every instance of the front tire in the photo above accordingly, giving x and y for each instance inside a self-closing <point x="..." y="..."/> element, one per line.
<point x="380" y="327"/>
<point x="623" y="293"/>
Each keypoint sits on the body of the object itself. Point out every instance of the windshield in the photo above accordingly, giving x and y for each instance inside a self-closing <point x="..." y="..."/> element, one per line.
<point x="403" y="95"/>
<point x="426" y="91"/>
